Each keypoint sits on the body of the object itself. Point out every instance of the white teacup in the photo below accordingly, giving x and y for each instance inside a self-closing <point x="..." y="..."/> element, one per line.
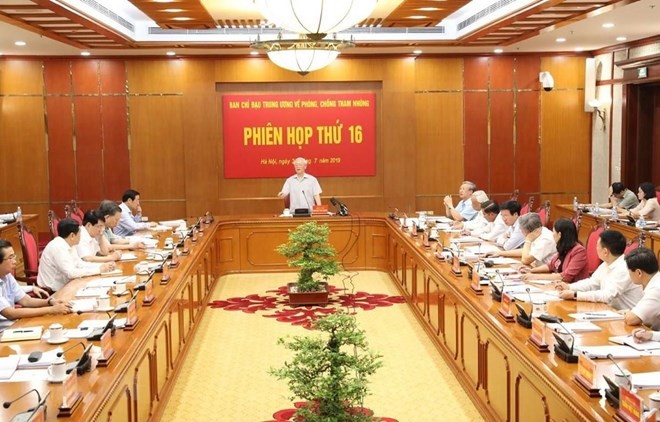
<point x="623" y="380"/>
<point x="540" y="308"/>
<point x="654" y="400"/>
<point x="119" y="288"/>
<point x="57" y="370"/>
<point x="103" y="301"/>
<point x="286" y="211"/>
<point x="56" y="331"/>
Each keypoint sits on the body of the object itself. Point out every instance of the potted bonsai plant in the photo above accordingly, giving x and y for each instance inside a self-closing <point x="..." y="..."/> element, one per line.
<point x="330" y="372"/>
<point x="308" y="249"/>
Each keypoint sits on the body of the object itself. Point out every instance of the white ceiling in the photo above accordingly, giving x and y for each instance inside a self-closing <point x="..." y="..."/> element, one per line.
<point x="634" y="21"/>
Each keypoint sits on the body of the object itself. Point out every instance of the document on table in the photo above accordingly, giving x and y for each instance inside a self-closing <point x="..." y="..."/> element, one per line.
<point x="8" y="366"/>
<point x="536" y="297"/>
<point x="503" y="261"/>
<point x="128" y="256"/>
<point x="605" y="315"/>
<point x="20" y="334"/>
<point x="83" y="305"/>
<point x="519" y="288"/>
<point x="172" y="223"/>
<point x="91" y="291"/>
<point x="466" y="239"/>
<point x="602" y="352"/>
<point x="484" y="248"/>
<point x="646" y="380"/>
<point x="630" y="341"/>
<point x="44" y="362"/>
<point x="575" y="327"/>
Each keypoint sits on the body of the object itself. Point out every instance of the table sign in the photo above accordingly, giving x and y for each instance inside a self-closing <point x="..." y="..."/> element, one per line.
<point x="149" y="295"/>
<point x="475" y="280"/>
<point x="631" y="407"/>
<point x="404" y="222"/>
<point x="174" y="262"/>
<point x="71" y="397"/>
<point x="456" y="266"/>
<point x="505" y="309"/>
<point x="165" y="277"/>
<point x="413" y="230"/>
<point x="537" y="337"/>
<point x="39" y="414"/>
<point x="131" y="316"/>
<point x="107" y="352"/>
<point x="425" y="240"/>
<point x="186" y="246"/>
<point x="194" y="235"/>
<point x="587" y="374"/>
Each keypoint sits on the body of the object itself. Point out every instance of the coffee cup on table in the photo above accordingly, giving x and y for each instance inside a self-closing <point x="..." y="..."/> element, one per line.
<point x="56" y="332"/>
<point x="57" y="370"/>
<point x="286" y="212"/>
<point x="623" y="379"/>
<point x="103" y="302"/>
<point x="654" y="401"/>
<point x="119" y="288"/>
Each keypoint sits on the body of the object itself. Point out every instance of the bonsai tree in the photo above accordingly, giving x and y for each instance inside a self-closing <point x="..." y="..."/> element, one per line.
<point x="330" y="371"/>
<point x="309" y="250"/>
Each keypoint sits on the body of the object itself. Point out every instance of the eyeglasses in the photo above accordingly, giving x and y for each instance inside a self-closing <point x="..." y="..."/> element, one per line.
<point x="10" y="258"/>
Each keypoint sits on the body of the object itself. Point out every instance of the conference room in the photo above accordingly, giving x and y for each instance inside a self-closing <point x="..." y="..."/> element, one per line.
<point x="545" y="103"/>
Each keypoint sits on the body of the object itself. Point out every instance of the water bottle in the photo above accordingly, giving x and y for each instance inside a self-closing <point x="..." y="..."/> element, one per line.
<point x="640" y="223"/>
<point x="19" y="215"/>
<point x="576" y="204"/>
<point x="615" y="214"/>
<point x="597" y="209"/>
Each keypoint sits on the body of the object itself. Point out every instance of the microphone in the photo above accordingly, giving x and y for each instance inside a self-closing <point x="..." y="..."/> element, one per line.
<point x="28" y="414"/>
<point x="123" y="307"/>
<point x="208" y="217"/>
<point x="625" y="376"/>
<point x="143" y="285"/>
<point x="97" y="333"/>
<point x="522" y="318"/>
<point x="7" y="404"/>
<point x="496" y="292"/>
<point x="309" y="208"/>
<point x="82" y="364"/>
<point x="60" y="354"/>
<point x="393" y="215"/>
<point x="342" y="209"/>
<point x="562" y="350"/>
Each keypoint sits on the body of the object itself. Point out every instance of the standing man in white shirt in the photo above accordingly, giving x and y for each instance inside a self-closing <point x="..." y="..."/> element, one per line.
<point x="303" y="189"/>
<point x="610" y="283"/>
<point x="463" y="210"/>
<point x="643" y="268"/>
<point x="93" y="245"/>
<point x="131" y="215"/>
<point x="60" y="262"/>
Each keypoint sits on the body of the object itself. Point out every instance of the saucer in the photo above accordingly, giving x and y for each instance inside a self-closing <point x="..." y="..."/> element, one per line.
<point x="60" y="341"/>
<point x="55" y="381"/>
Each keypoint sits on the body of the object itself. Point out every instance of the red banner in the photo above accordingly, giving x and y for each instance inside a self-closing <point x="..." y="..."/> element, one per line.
<point x="263" y="134"/>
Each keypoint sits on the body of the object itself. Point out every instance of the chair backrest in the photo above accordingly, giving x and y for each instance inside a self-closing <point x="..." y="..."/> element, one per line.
<point x="592" y="255"/>
<point x="636" y="242"/>
<point x="528" y="206"/>
<point x="514" y="195"/>
<point x="544" y="213"/>
<point x="76" y="211"/>
<point x="53" y="221"/>
<point x="30" y="250"/>
<point x="70" y="211"/>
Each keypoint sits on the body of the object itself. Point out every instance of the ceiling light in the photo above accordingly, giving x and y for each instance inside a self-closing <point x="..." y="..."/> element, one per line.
<point x="608" y="25"/>
<point x="428" y="9"/>
<point x="316" y="18"/>
<point x="172" y="10"/>
<point x="85" y="53"/>
<point x="20" y="43"/>
<point x="561" y="39"/>
<point x="418" y="17"/>
<point x="579" y="49"/>
<point x="621" y="38"/>
<point x="182" y="18"/>
<point x="417" y="51"/>
<point x="254" y="53"/>
<point x="498" y="50"/>
<point x="171" y="53"/>
<point x="302" y="55"/>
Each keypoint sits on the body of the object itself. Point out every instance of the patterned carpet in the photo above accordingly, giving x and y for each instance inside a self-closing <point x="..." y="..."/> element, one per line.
<point x="224" y="377"/>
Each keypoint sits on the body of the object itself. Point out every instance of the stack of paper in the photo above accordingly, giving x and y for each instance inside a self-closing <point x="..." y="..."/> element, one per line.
<point x="542" y="297"/>
<point x="116" y="271"/>
<point x="630" y="341"/>
<point x="128" y="256"/>
<point x="8" y="366"/>
<point x="605" y="315"/>
<point x="20" y="334"/>
<point x="602" y="352"/>
<point x="575" y="327"/>
<point x="91" y="291"/>
<point x="503" y="261"/>
<point x="172" y="223"/>
<point x="83" y="305"/>
<point x="466" y="239"/>
<point x="44" y="362"/>
<point x="646" y="380"/>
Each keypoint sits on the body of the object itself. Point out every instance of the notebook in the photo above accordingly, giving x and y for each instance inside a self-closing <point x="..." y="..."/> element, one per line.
<point x="21" y="334"/>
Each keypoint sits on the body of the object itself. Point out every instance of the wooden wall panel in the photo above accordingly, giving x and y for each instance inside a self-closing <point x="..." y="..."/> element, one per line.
<point x="116" y="168"/>
<point x="432" y="74"/>
<point x="154" y="76"/>
<point x="526" y="158"/>
<point x="476" y="159"/>
<point x="501" y="73"/>
<point x="89" y="148"/>
<point x="57" y="74"/>
<point x="61" y="165"/>
<point x="527" y="72"/>
<point x="112" y="76"/>
<point x="84" y="77"/>
<point x="21" y="77"/>
<point x="501" y="143"/>
<point x="475" y="74"/>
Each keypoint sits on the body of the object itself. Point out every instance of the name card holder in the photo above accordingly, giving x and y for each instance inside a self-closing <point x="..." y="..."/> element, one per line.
<point x="505" y="309"/>
<point x="537" y="337"/>
<point x="186" y="246"/>
<point x="413" y="231"/>
<point x="131" y="316"/>
<point x="149" y="295"/>
<point x="586" y="376"/>
<point x="165" y="276"/>
<point x="174" y="262"/>
<point x="456" y="266"/>
<point x="107" y="352"/>
<point x="631" y="407"/>
<point x="404" y="223"/>
<point x="475" y="281"/>
<point x="71" y="396"/>
<point x="425" y="240"/>
<point x="195" y="235"/>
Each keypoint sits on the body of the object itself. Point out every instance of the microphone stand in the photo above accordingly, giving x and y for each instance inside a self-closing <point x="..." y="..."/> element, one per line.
<point x="30" y="413"/>
<point x="81" y="365"/>
<point x="612" y="392"/>
<point x="562" y="350"/>
<point x="522" y="318"/>
<point x="496" y="292"/>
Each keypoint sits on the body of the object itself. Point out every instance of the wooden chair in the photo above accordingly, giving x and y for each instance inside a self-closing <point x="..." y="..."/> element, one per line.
<point x="514" y="195"/>
<point x="544" y="213"/>
<point x="636" y="242"/>
<point x="528" y="206"/>
<point x="30" y="255"/>
<point x="53" y="220"/>
<point x="593" y="261"/>
<point x="71" y="211"/>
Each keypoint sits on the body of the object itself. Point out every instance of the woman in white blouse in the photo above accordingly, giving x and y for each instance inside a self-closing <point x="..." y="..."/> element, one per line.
<point x="648" y="203"/>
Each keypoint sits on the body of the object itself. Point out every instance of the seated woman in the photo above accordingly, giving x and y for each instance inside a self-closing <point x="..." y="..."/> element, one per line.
<point x="648" y="203"/>
<point x="569" y="264"/>
<point x="539" y="245"/>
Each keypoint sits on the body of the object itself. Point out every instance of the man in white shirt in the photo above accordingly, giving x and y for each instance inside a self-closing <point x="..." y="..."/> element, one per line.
<point x="11" y="293"/>
<point x="539" y="245"/>
<point x="463" y="210"/>
<point x="496" y="226"/>
<point x="476" y="200"/>
<point x="59" y="261"/>
<point x="131" y="215"/>
<point x="111" y="213"/>
<point x="303" y="189"/>
<point x="643" y="269"/>
<point x="610" y="283"/>
<point x="93" y="246"/>
<point x="513" y="237"/>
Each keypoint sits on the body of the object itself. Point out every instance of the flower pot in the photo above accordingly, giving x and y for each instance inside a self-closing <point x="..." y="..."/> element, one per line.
<point x="307" y="298"/>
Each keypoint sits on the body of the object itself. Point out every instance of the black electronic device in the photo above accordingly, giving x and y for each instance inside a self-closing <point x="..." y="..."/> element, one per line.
<point x="523" y="318"/>
<point x="301" y="212"/>
<point x="97" y="333"/>
<point x="35" y="356"/>
<point x="123" y="307"/>
<point x="28" y="414"/>
<point x="496" y="292"/>
<point x="143" y="285"/>
<point x="562" y="350"/>
<point x="342" y="209"/>
<point x="82" y="364"/>
<point x="631" y="221"/>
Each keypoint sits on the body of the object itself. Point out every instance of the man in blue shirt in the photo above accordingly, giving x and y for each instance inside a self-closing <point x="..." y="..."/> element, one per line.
<point x="11" y="293"/>
<point x="131" y="215"/>
<point x="463" y="210"/>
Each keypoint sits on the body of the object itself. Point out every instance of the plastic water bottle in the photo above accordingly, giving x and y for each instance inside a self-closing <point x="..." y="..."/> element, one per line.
<point x="597" y="209"/>
<point x="19" y="215"/>
<point x="615" y="214"/>
<point x="576" y="204"/>
<point x="640" y="223"/>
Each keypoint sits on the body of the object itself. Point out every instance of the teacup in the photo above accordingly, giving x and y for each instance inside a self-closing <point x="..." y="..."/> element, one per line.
<point x="57" y="370"/>
<point x="540" y="308"/>
<point x="286" y="211"/>
<point x="119" y="288"/>
<point x="103" y="302"/>
<point x="654" y="400"/>
<point x="623" y="379"/>
<point x="56" y="331"/>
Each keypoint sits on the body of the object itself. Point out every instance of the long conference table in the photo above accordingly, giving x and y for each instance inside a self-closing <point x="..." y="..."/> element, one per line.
<point x="507" y="377"/>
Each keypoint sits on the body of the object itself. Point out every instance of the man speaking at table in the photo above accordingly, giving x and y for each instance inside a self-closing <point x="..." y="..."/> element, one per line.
<point x="303" y="189"/>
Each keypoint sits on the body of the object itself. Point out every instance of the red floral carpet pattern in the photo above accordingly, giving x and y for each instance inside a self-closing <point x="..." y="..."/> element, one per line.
<point x="277" y="301"/>
<point x="288" y="415"/>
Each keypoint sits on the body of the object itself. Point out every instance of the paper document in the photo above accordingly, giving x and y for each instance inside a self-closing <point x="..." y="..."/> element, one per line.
<point x="646" y="380"/>
<point x="172" y="223"/>
<point x="44" y="362"/>
<point x="574" y="327"/>
<point x="482" y="249"/>
<point x="20" y="334"/>
<point x="8" y="366"/>
<point x="540" y="282"/>
<point x="116" y="271"/>
<point x="630" y="341"/>
<point x="503" y="261"/>
<point x="536" y="297"/>
<point x="128" y="256"/>
<point x="83" y="305"/>
<point x="601" y="352"/>
<point x="91" y="291"/>
<point x="467" y="239"/>
<point x="519" y="288"/>
<point x="605" y="315"/>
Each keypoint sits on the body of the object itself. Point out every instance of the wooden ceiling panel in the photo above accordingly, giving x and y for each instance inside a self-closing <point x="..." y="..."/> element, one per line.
<point x="416" y="13"/>
<point x="182" y="14"/>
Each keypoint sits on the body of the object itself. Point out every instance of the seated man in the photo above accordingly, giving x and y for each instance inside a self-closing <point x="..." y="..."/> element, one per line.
<point x="478" y="222"/>
<point x="111" y="213"/>
<point x="93" y="245"/>
<point x="539" y="245"/>
<point x="131" y="215"/>
<point x="622" y="198"/>
<point x="610" y="283"/>
<point x="496" y="226"/>
<point x="60" y="262"/>
<point x="463" y="210"/>
<point x="303" y="189"/>
<point x="513" y="237"/>
<point x="12" y="293"/>
<point x="643" y="269"/>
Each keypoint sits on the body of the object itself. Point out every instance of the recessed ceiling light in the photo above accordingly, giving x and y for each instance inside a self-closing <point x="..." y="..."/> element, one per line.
<point x="20" y="43"/>
<point x="578" y="49"/>
<point x="621" y="38"/>
<point x="498" y="50"/>
<point x="418" y="17"/>
<point x="172" y="10"/>
<point x="163" y="1"/>
<point x="85" y="53"/>
<point x="608" y="25"/>
<point x="561" y="39"/>
<point x="182" y="18"/>
<point x="428" y="9"/>
<point x="254" y="53"/>
<point x="417" y="51"/>
<point x="170" y="53"/>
